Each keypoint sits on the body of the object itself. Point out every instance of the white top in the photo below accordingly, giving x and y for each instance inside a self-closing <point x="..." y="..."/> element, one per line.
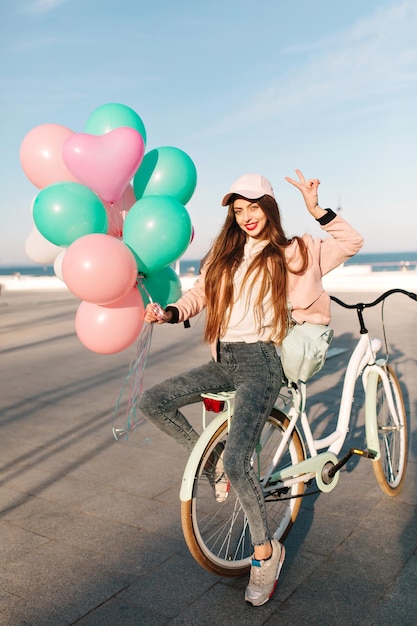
<point x="243" y="324"/>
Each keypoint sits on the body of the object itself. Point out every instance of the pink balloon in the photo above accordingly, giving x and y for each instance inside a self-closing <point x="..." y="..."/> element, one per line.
<point x="117" y="211"/>
<point x="111" y="328"/>
<point x="41" y="155"/>
<point x="99" y="268"/>
<point x="105" y="163"/>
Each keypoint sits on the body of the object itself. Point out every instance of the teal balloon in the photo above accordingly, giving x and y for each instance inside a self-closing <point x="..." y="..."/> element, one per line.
<point x="164" y="287"/>
<point x="63" y="212"/>
<point x="157" y="229"/>
<point x="110" y="116"/>
<point x="166" y="171"/>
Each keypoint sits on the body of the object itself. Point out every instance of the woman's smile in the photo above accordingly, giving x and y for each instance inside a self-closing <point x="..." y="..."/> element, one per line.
<point x="249" y="216"/>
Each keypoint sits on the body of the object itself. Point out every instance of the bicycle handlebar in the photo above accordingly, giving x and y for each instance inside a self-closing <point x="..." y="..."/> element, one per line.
<point x="360" y="306"/>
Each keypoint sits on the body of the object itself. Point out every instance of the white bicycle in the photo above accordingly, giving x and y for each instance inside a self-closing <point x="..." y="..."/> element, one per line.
<point x="287" y="458"/>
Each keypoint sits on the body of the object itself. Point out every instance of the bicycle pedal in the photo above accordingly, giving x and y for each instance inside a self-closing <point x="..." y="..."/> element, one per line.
<point x="368" y="454"/>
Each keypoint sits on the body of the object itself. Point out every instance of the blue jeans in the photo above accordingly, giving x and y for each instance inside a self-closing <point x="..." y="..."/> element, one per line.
<point x="254" y="371"/>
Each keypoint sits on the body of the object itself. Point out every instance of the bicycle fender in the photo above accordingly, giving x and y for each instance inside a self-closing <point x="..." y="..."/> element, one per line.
<point x="186" y="491"/>
<point x="371" y="421"/>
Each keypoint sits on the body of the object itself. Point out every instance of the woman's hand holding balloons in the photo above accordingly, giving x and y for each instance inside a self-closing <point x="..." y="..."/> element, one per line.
<point x="154" y="313"/>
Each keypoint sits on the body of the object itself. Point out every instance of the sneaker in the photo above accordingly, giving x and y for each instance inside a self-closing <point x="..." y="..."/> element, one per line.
<point x="214" y="470"/>
<point x="264" y="576"/>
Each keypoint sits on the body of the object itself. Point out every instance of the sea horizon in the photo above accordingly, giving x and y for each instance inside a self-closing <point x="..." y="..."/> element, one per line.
<point x="378" y="261"/>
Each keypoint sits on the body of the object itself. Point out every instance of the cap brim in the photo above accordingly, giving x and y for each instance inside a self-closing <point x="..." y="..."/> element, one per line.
<point x="245" y="193"/>
<point x="226" y="199"/>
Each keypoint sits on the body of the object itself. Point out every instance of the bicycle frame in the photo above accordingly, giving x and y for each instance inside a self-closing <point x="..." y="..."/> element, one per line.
<point x="323" y="466"/>
<point x="362" y="362"/>
<point x="362" y="357"/>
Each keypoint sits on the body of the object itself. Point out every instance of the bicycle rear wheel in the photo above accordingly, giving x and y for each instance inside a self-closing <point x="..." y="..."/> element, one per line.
<point x="217" y="534"/>
<point x="390" y="469"/>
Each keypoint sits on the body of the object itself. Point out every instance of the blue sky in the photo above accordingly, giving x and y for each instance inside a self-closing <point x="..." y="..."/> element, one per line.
<point x="324" y="86"/>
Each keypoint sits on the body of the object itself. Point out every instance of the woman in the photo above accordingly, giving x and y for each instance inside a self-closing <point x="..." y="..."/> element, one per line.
<point x="252" y="278"/>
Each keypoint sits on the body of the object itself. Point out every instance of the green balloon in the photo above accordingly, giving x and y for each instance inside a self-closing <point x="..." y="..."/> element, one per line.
<point x="63" y="212"/>
<point x="158" y="230"/>
<point x="110" y="116"/>
<point x="163" y="287"/>
<point x="166" y="171"/>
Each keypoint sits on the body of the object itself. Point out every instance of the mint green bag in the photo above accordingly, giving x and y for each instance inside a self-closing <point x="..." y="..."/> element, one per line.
<point x="304" y="349"/>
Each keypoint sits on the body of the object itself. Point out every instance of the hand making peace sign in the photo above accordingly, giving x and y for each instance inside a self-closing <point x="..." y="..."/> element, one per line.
<point x="309" y="189"/>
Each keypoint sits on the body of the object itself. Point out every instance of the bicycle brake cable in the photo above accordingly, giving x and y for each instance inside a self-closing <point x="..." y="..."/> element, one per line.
<point x="384" y="332"/>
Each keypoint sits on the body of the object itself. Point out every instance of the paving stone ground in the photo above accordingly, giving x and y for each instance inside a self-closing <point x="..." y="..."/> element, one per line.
<point x="90" y="528"/>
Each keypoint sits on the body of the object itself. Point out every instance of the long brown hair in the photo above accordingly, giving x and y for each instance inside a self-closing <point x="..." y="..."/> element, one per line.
<point x="269" y="266"/>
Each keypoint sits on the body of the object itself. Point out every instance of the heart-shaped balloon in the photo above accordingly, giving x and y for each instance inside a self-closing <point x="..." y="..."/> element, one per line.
<point x="105" y="163"/>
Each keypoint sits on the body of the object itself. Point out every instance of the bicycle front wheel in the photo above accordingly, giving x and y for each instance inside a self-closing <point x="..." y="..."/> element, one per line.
<point x="217" y="534"/>
<point x="390" y="469"/>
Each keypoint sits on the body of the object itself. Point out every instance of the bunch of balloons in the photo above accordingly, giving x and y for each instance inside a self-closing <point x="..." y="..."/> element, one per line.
<point x="107" y="212"/>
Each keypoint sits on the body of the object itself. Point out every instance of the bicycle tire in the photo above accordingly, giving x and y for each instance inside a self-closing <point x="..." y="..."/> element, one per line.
<point x="217" y="534"/>
<point x="390" y="468"/>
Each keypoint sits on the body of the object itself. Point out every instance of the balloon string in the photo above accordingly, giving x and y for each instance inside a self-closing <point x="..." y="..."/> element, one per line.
<point x="123" y="212"/>
<point x="112" y="215"/>
<point x="134" y="379"/>
<point x="133" y="385"/>
<point x="141" y="281"/>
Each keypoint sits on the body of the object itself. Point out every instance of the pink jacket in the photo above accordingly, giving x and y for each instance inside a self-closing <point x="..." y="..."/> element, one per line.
<point x="306" y="296"/>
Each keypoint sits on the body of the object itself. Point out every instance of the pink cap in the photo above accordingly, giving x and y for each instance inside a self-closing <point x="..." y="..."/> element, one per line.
<point x="250" y="186"/>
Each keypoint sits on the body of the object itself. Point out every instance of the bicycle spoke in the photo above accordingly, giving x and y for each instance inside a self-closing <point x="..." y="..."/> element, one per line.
<point x="388" y="460"/>
<point x="392" y="430"/>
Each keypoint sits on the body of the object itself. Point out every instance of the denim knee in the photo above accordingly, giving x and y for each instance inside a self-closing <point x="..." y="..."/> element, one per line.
<point x="146" y="403"/>
<point x="234" y="467"/>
